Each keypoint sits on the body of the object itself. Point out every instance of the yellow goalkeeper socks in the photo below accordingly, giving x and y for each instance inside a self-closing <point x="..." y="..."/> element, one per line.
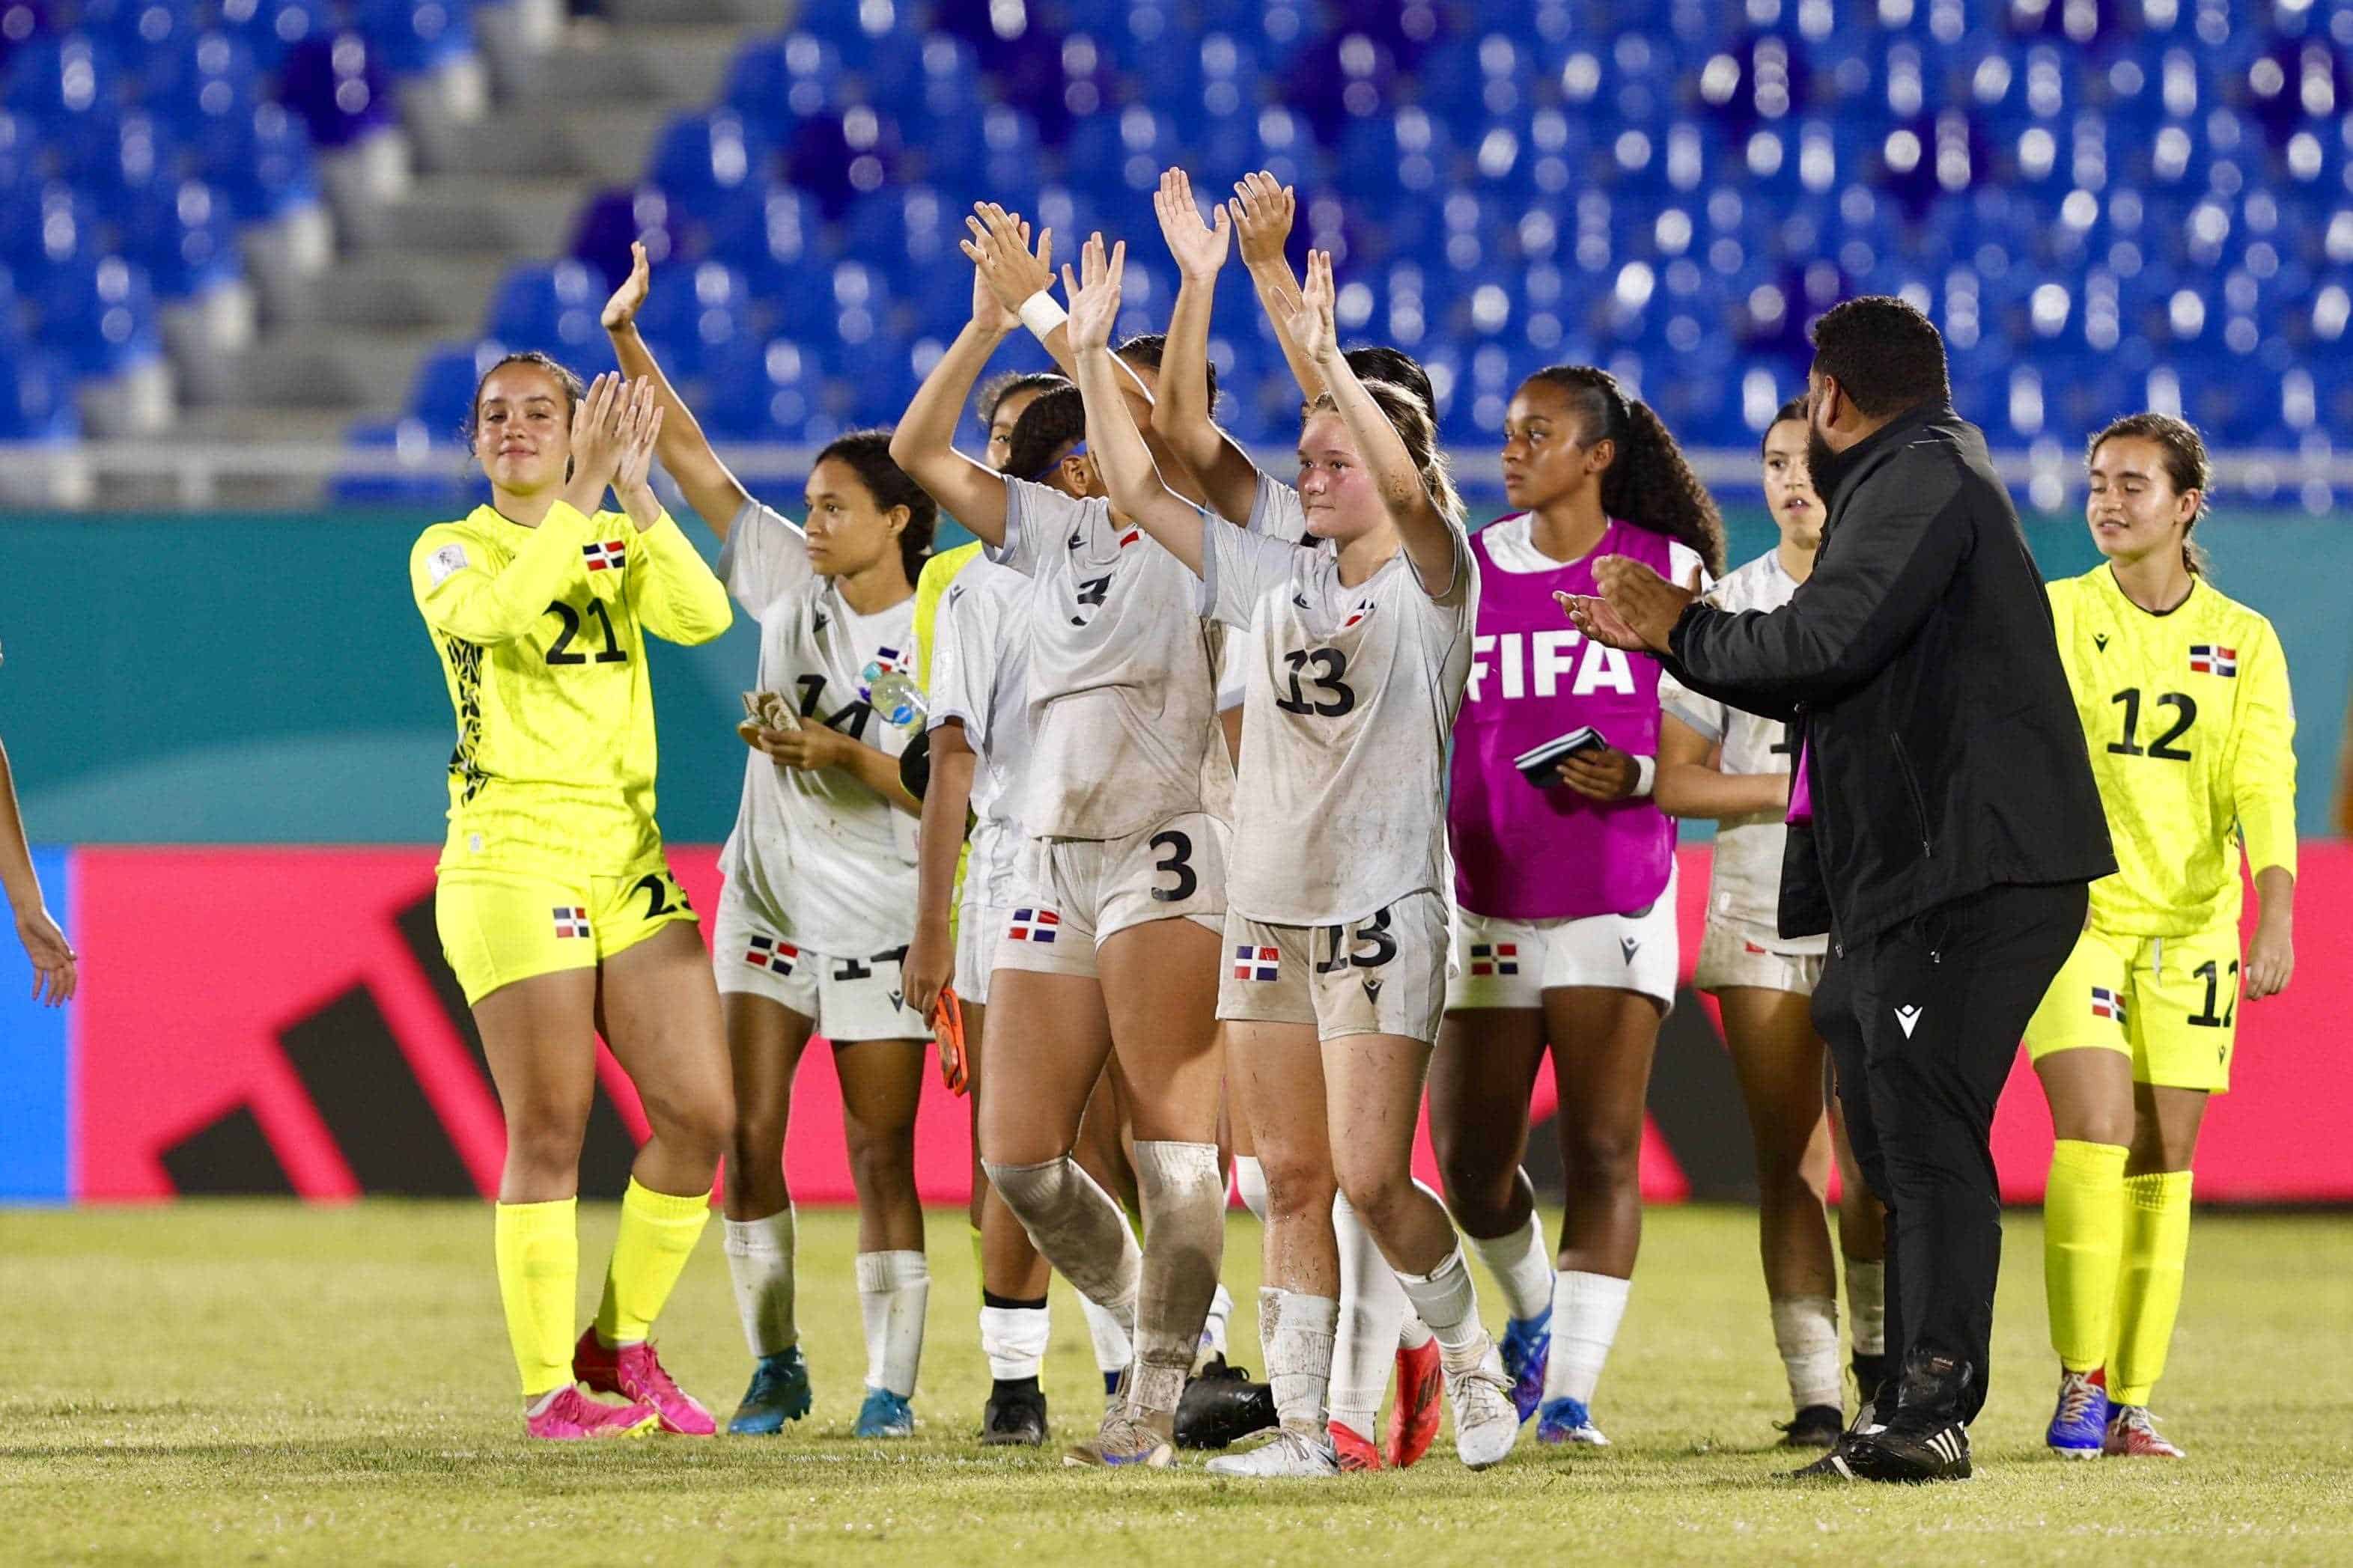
<point x="2148" y="1295"/>
<point x="2083" y="1249"/>
<point x="539" y="1270"/>
<point x="658" y="1232"/>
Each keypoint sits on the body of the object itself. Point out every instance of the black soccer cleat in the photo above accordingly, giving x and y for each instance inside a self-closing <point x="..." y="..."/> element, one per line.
<point x="1838" y="1465"/>
<point x="1910" y="1452"/>
<point x="1870" y="1371"/>
<point x="1221" y="1405"/>
<point x="1815" y="1426"/>
<point x="1015" y="1414"/>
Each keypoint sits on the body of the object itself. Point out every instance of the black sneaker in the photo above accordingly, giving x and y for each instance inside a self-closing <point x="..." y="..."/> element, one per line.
<point x="1839" y="1464"/>
<point x="1015" y="1414"/>
<point x="1870" y="1371"/>
<point x="1913" y="1452"/>
<point x="1815" y="1426"/>
<point x="1221" y="1405"/>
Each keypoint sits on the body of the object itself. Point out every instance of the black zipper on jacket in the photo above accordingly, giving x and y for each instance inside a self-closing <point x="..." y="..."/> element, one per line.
<point x="1919" y="802"/>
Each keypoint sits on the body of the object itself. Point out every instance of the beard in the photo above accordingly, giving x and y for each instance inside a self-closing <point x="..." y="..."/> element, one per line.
<point x="1822" y="465"/>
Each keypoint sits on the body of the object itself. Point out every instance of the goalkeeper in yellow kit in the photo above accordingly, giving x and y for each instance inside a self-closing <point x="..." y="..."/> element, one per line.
<point x="555" y="907"/>
<point x="2183" y="696"/>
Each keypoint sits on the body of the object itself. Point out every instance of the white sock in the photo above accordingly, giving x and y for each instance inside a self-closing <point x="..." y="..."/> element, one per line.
<point x="1299" y="1355"/>
<point x="1014" y="1340"/>
<point x="1804" y="1331"/>
<point x="1113" y="1350"/>
<point x="1250" y="1181"/>
<point x="893" y="1288"/>
<point x="1448" y="1302"/>
<point x="1373" y="1310"/>
<point x="760" y="1263"/>
<point x="1213" y="1327"/>
<point x="1522" y="1265"/>
<point x="1866" y="1306"/>
<point x="1586" y="1309"/>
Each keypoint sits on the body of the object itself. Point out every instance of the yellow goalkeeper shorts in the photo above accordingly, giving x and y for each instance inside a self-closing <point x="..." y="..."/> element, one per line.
<point x="499" y="927"/>
<point x="2170" y="1003"/>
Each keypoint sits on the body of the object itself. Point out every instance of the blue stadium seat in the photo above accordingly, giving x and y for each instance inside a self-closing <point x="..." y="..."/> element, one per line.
<point x="338" y="85"/>
<point x="206" y="77"/>
<point x="97" y="314"/>
<point x="776" y="392"/>
<point x="36" y="396"/>
<point x="262" y="159"/>
<point x="182" y="232"/>
<point x="771" y="236"/>
<point x="441" y="395"/>
<point x="785" y="78"/>
<point x="442" y="477"/>
<point x="273" y="28"/>
<point x="139" y="31"/>
<point x="697" y="317"/>
<point x="553" y="307"/>
<point x="1124" y="148"/>
<point x="415" y="36"/>
<point x="1004" y="156"/>
<point x="703" y="159"/>
<point x="618" y="218"/>
<point x="22" y="21"/>
<point x="851" y="302"/>
<point x="46" y="225"/>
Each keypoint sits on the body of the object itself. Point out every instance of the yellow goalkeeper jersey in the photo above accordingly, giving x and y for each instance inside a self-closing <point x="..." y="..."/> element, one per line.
<point x="541" y="633"/>
<point x="2191" y="731"/>
<point x="929" y="589"/>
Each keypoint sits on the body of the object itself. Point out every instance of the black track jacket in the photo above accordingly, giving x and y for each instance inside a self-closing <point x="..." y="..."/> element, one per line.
<point x="1919" y="669"/>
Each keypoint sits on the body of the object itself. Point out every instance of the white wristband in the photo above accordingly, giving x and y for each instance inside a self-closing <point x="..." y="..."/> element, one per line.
<point x="1646" y="774"/>
<point x="1041" y="315"/>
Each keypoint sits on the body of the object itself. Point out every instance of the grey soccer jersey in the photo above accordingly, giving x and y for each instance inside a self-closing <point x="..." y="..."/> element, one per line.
<point x="1122" y="671"/>
<point x="1276" y="512"/>
<point x="830" y="861"/>
<point x="1341" y="805"/>
<point x="980" y="677"/>
<point x="1745" y="885"/>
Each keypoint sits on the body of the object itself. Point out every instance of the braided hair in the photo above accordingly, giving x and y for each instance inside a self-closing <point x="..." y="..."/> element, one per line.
<point x="1648" y="482"/>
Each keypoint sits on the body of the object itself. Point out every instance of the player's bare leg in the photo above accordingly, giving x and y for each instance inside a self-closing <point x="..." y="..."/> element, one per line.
<point x="764" y="1042"/>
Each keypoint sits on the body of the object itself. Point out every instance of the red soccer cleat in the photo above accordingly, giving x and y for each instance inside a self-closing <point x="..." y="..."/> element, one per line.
<point x="635" y="1373"/>
<point x="1414" y="1415"/>
<point x="1355" y="1449"/>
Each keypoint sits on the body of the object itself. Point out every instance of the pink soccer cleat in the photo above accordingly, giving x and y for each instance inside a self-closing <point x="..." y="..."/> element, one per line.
<point x="1353" y="1449"/>
<point x="571" y="1417"/>
<point x="1414" y="1414"/>
<point x="635" y="1373"/>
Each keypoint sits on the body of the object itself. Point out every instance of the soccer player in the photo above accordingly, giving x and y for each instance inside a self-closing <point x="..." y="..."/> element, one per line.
<point x="55" y="961"/>
<point x="1356" y="653"/>
<point x="819" y="902"/>
<point x="1715" y="760"/>
<point x="1111" y="950"/>
<point x="1377" y="1320"/>
<point x="1566" y="880"/>
<point x="2183" y="695"/>
<point x="556" y="909"/>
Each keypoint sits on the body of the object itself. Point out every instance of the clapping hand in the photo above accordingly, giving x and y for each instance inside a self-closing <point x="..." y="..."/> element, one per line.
<point x="1094" y="294"/>
<point x="1199" y="248"/>
<point x="1313" y="325"/>
<point x="1637" y="609"/>
<point x="1261" y="210"/>
<point x="621" y="310"/>
<point x="1000" y="249"/>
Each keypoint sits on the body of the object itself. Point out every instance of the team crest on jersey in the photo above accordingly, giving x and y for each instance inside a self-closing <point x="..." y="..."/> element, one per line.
<point x="606" y="555"/>
<point x="1258" y="962"/>
<point x="777" y="957"/>
<point x="1034" y="925"/>
<point x="1494" y="958"/>
<point x="2107" y="1003"/>
<point x="2208" y="658"/>
<point x="1364" y="608"/>
<point x="571" y="920"/>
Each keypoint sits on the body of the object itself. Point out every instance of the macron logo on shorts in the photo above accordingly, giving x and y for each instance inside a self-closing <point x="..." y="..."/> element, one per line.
<point x="2107" y="1004"/>
<point x="1258" y="962"/>
<point x="571" y="920"/>
<point x="1034" y="925"/>
<point x="767" y="952"/>
<point x="1494" y="958"/>
<point x="610" y="556"/>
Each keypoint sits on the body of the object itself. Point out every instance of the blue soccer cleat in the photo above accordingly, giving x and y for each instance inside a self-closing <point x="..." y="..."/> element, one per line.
<point x="2079" y="1426"/>
<point x="780" y="1392"/>
<point x="885" y="1414"/>
<point x="1527" y="1350"/>
<point x="1568" y="1421"/>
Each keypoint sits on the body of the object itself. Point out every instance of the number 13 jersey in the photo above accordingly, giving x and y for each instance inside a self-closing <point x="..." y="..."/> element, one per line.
<point x="2191" y="731"/>
<point x="1340" y="807"/>
<point x="825" y="860"/>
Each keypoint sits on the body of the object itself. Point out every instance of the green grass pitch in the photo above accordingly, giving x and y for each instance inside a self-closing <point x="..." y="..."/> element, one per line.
<point x="263" y="1382"/>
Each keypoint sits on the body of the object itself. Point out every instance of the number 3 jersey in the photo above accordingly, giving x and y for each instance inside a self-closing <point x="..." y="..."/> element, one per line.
<point x="2191" y="731"/>
<point x="827" y="860"/>
<point x="1341" y="805"/>
<point x="541" y="633"/>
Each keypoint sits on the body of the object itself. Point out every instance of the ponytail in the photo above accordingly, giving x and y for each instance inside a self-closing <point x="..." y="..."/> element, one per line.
<point x="1648" y="483"/>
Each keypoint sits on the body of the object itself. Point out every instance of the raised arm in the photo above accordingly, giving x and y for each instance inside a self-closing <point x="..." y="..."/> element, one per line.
<point x="1129" y="473"/>
<point x="924" y="443"/>
<point x="679" y="597"/>
<point x="1433" y="543"/>
<point x="1261" y="210"/>
<point x="1183" y="418"/>
<point x="709" y="485"/>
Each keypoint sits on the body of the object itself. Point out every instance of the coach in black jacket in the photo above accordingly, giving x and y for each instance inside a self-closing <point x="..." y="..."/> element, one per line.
<point x="1954" y="826"/>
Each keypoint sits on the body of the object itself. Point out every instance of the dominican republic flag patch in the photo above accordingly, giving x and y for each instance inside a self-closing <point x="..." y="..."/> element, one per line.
<point x="571" y="920"/>
<point x="2107" y="1004"/>
<point x="2206" y="658"/>
<point x="1258" y="962"/>
<point x="1494" y="958"/>
<point x="777" y="957"/>
<point x="1034" y="925"/>
<point x="607" y="555"/>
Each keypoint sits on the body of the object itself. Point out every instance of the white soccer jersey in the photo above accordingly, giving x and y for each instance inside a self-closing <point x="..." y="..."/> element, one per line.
<point x="1747" y="883"/>
<point x="1342" y="799"/>
<point x="980" y="677"/>
<point x="832" y="862"/>
<point x="1123" y="672"/>
<point x="1277" y="512"/>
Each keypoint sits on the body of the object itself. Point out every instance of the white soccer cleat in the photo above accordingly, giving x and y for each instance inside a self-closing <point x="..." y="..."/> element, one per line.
<point x="1486" y="1422"/>
<point x="1286" y="1454"/>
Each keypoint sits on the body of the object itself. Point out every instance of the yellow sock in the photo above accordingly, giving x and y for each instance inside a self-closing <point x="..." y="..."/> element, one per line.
<point x="658" y="1232"/>
<point x="2148" y="1293"/>
<point x="2083" y="1249"/>
<point x="539" y="1270"/>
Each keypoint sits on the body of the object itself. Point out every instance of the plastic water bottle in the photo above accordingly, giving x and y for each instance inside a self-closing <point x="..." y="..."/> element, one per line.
<point x="893" y="694"/>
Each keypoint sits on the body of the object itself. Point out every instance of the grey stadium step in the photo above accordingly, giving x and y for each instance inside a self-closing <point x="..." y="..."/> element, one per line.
<point x="515" y="218"/>
<point x="332" y="369"/>
<point x="443" y="292"/>
<point x="545" y="139"/>
<point x="630" y="65"/>
<point x="770" y="15"/>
